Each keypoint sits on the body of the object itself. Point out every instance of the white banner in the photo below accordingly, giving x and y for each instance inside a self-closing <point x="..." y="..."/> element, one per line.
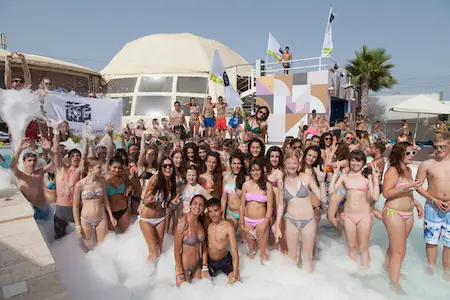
<point x="219" y="76"/>
<point x="327" y="47"/>
<point x="76" y="110"/>
<point x="274" y="48"/>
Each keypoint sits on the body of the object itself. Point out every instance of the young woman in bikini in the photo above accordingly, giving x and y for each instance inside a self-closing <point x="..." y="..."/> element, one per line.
<point x="357" y="215"/>
<point x="191" y="189"/>
<point x="118" y="188"/>
<point x="194" y="119"/>
<point x="190" y="249"/>
<point x="256" y="125"/>
<point x="232" y="189"/>
<point x="159" y="196"/>
<point x="397" y="214"/>
<point x="91" y="193"/>
<point x="275" y="174"/>
<point x="299" y="211"/>
<point x="256" y="211"/>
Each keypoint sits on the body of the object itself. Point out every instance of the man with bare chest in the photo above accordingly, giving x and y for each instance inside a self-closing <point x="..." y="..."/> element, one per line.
<point x="208" y="117"/>
<point x="221" y="235"/>
<point x="178" y="120"/>
<point x="221" y="122"/>
<point x="437" y="208"/>
<point x="68" y="173"/>
<point x="31" y="181"/>
<point x="286" y="60"/>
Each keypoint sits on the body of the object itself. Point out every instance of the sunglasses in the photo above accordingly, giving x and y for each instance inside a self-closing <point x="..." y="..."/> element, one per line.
<point x="48" y="83"/>
<point x="328" y="139"/>
<point x="296" y="147"/>
<point x="442" y="147"/>
<point x="167" y="165"/>
<point x="408" y="153"/>
<point x="349" y="138"/>
<point x="262" y="113"/>
<point x="18" y="81"/>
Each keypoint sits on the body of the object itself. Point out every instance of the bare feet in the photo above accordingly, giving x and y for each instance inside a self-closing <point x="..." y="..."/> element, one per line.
<point x="397" y="288"/>
<point x="431" y="270"/>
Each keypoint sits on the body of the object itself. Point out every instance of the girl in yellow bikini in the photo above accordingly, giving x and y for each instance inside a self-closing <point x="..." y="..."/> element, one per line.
<point x="397" y="216"/>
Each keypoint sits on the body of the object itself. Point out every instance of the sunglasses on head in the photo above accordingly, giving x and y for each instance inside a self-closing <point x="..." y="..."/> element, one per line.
<point x="442" y="147"/>
<point x="167" y="165"/>
<point x="408" y="153"/>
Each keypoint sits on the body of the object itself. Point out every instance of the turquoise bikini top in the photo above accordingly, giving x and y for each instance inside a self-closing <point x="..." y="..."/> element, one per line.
<point x="113" y="191"/>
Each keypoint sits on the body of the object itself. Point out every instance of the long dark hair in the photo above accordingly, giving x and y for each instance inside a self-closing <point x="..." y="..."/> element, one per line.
<point x="342" y="151"/>
<point x="181" y="170"/>
<point x="397" y="155"/>
<point x="123" y="153"/>
<point x="267" y="115"/>
<point x="269" y="166"/>
<point x="262" y="180"/>
<point x="322" y="139"/>
<point x="318" y="162"/>
<point x="240" y="177"/>
<point x="194" y="147"/>
<point x="161" y="185"/>
<point x="217" y="173"/>
<point x="261" y="156"/>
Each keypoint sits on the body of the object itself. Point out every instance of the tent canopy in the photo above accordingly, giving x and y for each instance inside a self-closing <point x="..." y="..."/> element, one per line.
<point x="422" y="104"/>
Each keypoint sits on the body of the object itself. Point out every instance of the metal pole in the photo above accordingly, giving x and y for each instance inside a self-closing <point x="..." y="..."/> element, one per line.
<point x="320" y="63"/>
<point x="417" y="123"/>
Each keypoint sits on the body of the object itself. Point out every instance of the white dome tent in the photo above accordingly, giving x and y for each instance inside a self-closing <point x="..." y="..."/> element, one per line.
<point x="153" y="72"/>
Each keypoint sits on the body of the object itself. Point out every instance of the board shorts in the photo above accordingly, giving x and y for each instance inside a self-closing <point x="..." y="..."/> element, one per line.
<point x="436" y="225"/>
<point x="42" y="213"/>
<point x="286" y="65"/>
<point x="209" y="122"/>
<point x="225" y="265"/>
<point x="221" y="123"/>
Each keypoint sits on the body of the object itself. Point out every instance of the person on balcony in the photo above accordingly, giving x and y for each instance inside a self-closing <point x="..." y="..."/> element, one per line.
<point x="286" y="60"/>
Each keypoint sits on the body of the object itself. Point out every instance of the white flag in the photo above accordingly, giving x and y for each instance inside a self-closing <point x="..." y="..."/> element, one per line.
<point x="219" y="76"/>
<point x="327" y="47"/>
<point x="274" y="48"/>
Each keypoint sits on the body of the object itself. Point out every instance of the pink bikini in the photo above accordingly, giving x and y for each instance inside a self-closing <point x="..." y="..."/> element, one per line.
<point x="256" y="198"/>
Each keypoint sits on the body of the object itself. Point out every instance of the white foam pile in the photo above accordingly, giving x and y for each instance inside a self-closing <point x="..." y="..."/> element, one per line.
<point x="118" y="270"/>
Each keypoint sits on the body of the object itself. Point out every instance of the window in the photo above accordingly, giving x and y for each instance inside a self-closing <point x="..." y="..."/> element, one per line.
<point x="183" y="100"/>
<point x="121" y="85"/>
<point x="156" y="84"/>
<point x="153" y="105"/>
<point x="197" y="85"/>
<point x="126" y="109"/>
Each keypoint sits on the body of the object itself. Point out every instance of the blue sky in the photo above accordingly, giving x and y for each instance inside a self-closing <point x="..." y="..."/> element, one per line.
<point x="91" y="32"/>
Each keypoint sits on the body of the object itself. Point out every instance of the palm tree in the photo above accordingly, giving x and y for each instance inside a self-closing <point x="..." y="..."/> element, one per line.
<point x="370" y="71"/>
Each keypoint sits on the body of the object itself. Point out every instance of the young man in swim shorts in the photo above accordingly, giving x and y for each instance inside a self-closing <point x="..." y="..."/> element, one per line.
<point x="286" y="60"/>
<point x="30" y="180"/>
<point x="221" y="122"/>
<point x="208" y="117"/>
<point x="221" y="235"/>
<point x="437" y="216"/>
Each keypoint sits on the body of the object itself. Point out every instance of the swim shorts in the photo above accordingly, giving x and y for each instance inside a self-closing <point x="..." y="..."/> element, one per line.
<point x="436" y="225"/>
<point x="42" y="213"/>
<point x="209" y="122"/>
<point x="221" y="123"/>
<point x="225" y="265"/>
<point x="287" y="65"/>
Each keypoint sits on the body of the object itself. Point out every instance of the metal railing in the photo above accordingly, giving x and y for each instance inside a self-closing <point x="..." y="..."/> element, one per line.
<point x="318" y="63"/>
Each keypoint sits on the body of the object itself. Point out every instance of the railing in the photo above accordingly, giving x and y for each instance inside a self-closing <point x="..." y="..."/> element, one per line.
<point x="317" y="64"/>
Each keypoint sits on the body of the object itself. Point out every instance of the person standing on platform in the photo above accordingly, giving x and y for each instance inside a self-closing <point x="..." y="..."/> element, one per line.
<point x="286" y="60"/>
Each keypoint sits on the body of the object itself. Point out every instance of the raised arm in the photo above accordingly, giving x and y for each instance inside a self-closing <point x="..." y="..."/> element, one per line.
<point x="8" y="73"/>
<point x="26" y="71"/>
<point x="15" y="158"/>
<point x="110" y="145"/>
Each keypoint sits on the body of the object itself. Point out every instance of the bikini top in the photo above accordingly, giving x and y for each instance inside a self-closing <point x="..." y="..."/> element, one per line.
<point x="358" y="187"/>
<point x="89" y="195"/>
<point x="187" y="196"/>
<point x="192" y="239"/>
<point x="256" y="197"/>
<point x="230" y="188"/>
<point x="256" y="130"/>
<point x="193" y="110"/>
<point x="410" y="189"/>
<point x="113" y="191"/>
<point x="302" y="192"/>
<point x="146" y="175"/>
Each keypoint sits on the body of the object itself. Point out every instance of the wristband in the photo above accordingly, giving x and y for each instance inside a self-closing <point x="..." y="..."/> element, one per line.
<point x="77" y="228"/>
<point x="205" y="268"/>
<point x="432" y="200"/>
<point x="402" y="190"/>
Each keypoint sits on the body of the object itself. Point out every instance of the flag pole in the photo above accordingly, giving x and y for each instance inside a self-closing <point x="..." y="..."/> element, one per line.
<point x="267" y="53"/>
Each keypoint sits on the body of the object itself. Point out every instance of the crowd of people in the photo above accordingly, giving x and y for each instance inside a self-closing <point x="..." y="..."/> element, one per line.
<point x="211" y="192"/>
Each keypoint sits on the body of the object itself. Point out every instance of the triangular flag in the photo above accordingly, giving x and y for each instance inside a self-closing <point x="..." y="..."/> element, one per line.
<point x="274" y="48"/>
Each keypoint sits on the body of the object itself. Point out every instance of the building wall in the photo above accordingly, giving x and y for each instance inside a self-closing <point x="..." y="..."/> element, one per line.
<point x="81" y="84"/>
<point x="290" y="98"/>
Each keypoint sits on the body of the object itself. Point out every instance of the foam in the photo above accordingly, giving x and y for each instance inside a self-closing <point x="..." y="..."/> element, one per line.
<point x="117" y="269"/>
<point x="18" y="109"/>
